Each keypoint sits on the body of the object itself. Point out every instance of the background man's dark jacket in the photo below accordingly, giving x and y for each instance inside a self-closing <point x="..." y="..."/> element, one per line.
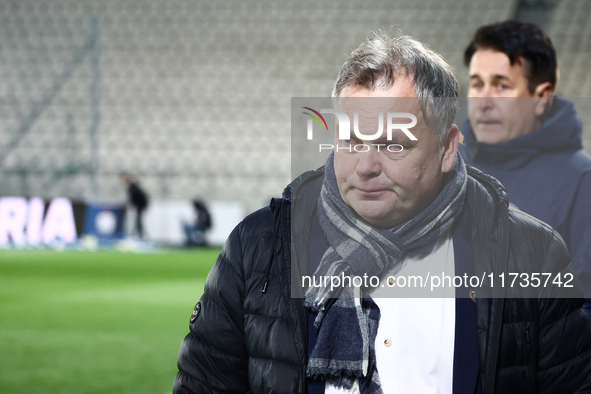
<point x="245" y="340"/>
<point x="548" y="175"/>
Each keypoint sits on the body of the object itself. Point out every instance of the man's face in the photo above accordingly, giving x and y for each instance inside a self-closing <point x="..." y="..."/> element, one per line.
<point x="126" y="180"/>
<point x="385" y="188"/>
<point x="501" y="107"/>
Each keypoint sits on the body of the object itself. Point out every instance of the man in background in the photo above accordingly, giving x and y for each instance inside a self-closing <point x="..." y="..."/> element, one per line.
<point x="196" y="232"/>
<point x="526" y="138"/>
<point x="138" y="198"/>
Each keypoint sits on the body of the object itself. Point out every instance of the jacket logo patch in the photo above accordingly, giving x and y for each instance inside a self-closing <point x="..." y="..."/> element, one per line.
<point x="196" y="312"/>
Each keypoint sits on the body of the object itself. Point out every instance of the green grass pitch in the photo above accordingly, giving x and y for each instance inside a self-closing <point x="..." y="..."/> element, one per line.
<point x="104" y="322"/>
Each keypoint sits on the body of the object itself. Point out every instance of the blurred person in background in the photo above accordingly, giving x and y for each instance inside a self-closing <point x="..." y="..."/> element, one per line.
<point x="526" y="138"/>
<point x="196" y="232"/>
<point x="376" y="212"/>
<point x="138" y="199"/>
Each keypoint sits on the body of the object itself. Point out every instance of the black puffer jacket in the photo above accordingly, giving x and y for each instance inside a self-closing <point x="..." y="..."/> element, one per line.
<point x="250" y="334"/>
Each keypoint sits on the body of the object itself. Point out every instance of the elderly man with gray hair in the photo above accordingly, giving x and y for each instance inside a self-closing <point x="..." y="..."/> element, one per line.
<point x="386" y="206"/>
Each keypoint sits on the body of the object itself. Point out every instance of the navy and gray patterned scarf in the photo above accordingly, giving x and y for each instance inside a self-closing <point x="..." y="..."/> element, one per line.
<point x="344" y="354"/>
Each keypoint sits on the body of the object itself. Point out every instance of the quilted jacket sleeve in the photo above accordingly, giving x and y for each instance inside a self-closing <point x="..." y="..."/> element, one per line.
<point x="213" y="356"/>
<point x="564" y="364"/>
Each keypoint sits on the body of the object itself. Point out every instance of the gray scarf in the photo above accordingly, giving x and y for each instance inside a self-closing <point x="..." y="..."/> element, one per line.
<point x="348" y="321"/>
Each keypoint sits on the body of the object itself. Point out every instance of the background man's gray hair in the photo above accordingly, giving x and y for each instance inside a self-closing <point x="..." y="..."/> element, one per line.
<point x="377" y="62"/>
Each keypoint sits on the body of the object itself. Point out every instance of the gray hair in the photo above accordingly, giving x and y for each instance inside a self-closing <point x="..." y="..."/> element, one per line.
<point x="378" y="61"/>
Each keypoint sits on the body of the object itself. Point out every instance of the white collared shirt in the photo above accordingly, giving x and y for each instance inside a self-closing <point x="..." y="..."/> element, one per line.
<point x="415" y="339"/>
